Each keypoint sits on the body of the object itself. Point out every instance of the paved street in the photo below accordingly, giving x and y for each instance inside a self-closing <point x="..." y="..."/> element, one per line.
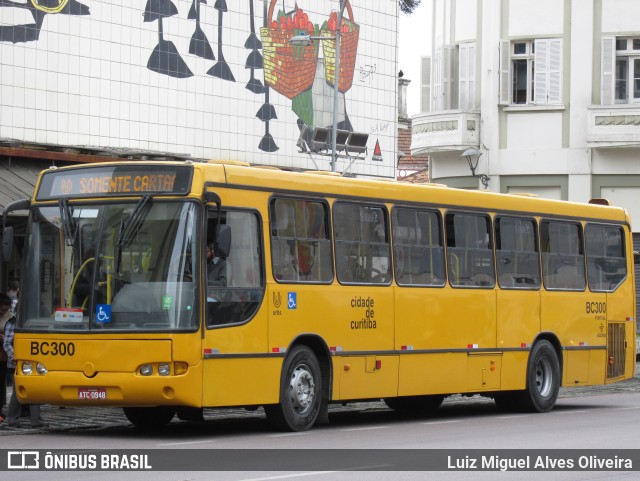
<point x="78" y="418"/>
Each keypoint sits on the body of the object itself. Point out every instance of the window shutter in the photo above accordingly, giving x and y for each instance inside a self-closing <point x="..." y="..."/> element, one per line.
<point x="548" y="72"/>
<point x="437" y="81"/>
<point x="463" y="94"/>
<point x="541" y="65"/>
<point x="554" y="83"/>
<point x="472" y="77"/>
<point x="607" y="82"/>
<point x="447" y="76"/>
<point x="467" y="77"/>
<point x="425" y="84"/>
<point x="505" y="72"/>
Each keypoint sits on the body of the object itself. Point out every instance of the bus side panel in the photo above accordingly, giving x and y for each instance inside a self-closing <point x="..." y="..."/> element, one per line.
<point x="354" y="320"/>
<point x="241" y="382"/>
<point x="518" y="314"/>
<point x="514" y="370"/>
<point x="565" y="314"/>
<point x="576" y="367"/>
<point x="363" y="377"/>
<point x="442" y="319"/>
<point x="443" y="373"/>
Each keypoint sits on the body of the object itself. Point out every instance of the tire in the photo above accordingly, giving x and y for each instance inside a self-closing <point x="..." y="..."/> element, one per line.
<point x="415" y="406"/>
<point x="150" y="418"/>
<point x="300" y="392"/>
<point x="543" y="379"/>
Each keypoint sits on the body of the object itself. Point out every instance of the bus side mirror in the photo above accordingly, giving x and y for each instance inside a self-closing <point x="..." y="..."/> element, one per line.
<point x="223" y="240"/>
<point x="7" y="243"/>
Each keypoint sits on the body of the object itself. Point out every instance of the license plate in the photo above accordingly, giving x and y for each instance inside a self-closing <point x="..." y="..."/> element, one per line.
<point x="92" y="393"/>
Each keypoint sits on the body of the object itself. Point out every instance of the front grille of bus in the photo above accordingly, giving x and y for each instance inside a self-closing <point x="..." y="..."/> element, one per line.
<point x="616" y="350"/>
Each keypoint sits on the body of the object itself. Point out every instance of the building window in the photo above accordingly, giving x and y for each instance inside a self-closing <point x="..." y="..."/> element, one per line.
<point x="627" y="70"/>
<point x="531" y="72"/>
<point x="522" y="70"/>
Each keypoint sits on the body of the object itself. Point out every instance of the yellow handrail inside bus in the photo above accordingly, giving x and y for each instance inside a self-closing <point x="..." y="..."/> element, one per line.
<point x="75" y="280"/>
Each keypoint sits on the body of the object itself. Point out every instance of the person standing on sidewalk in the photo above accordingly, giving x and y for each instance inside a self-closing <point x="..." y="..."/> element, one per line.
<point x="5" y="315"/>
<point x="15" y="407"/>
<point x="14" y="293"/>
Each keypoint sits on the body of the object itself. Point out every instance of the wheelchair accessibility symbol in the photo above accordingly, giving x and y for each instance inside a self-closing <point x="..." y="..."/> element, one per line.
<point x="103" y="313"/>
<point x="292" y="303"/>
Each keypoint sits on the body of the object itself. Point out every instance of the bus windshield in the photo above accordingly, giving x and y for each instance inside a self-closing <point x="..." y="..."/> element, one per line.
<point x="120" y="266"/>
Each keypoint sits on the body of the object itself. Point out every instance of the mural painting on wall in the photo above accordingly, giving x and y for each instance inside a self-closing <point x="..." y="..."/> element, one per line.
<point x="298" y="73"/>
<point x="39" y="9"/>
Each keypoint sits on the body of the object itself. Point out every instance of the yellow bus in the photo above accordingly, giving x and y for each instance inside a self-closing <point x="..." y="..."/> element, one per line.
<point x="171" y="287"/>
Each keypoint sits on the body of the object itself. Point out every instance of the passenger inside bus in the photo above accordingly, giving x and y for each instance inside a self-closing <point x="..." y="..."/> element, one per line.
<point x="216" y="267"/>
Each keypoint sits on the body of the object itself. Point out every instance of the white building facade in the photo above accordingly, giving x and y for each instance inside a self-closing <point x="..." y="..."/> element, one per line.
<point x="216" y="79"/>
<point x="548" y="92"/>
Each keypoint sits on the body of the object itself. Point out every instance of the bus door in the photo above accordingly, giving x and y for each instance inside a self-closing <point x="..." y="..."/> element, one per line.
<point x="237" y="370"/>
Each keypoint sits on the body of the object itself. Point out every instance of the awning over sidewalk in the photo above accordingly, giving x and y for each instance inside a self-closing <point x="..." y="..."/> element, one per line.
<point x="18" y="178"/>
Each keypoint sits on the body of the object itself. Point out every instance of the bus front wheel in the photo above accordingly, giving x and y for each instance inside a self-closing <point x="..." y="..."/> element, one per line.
<point x="543" y="379"/>
<point x="300" y="392"/>
<point x="149" y="418"/>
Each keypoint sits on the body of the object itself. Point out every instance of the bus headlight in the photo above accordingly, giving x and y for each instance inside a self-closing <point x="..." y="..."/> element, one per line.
<point x="146" y="369"/>
<point x="164" y="369"/>
<point x="27" y="368"/>
<point x="41" y="369"/>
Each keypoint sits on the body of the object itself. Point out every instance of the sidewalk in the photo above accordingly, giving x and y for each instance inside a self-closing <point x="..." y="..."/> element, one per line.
<point x="79" y="417"/>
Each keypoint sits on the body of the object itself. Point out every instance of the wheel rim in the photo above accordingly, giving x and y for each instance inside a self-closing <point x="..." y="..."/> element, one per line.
<point x="302" y="389"/>
<point x="544" y="377"/>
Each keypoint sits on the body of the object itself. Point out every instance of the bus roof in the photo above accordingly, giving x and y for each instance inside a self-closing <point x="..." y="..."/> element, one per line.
<point x="328" y="184"/>
<point x="321" y="184"/>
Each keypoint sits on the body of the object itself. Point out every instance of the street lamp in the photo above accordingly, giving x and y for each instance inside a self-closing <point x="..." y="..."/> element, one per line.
<point x="473" y="156"/>
<point x="306" y="40"/>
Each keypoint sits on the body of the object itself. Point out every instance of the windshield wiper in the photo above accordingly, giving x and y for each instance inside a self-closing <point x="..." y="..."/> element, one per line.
<point x="69" y="227"/>
<point x="129" y="227"/>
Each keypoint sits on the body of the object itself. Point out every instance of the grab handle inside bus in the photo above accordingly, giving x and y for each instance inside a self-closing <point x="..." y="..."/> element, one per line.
<point x="7" y="232"/>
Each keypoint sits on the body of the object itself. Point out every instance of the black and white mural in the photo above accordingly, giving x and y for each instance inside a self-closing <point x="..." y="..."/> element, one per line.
<point x="210" y="78"/>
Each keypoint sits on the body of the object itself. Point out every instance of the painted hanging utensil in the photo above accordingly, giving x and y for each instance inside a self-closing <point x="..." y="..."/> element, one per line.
<point x="221" y="69"/>
<point x="165" y="58"/>
<point x="199" y="44"/>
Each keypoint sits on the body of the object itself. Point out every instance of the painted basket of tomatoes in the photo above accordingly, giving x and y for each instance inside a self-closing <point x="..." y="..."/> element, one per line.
<point x="349" y="34"/>
<point x="288" y="69"/>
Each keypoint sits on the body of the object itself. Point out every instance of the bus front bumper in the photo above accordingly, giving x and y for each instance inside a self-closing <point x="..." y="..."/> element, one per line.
<point x="71" y="388"/>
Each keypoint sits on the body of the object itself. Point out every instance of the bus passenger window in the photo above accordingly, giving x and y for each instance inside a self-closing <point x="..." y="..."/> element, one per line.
<point x="300" y="241"/>
<point x="562" y="255"/>
<point x="417" y="247"/>
<point x="517" y="253"/>
<point x="606" y="263"/>
<point x="362" y="243"/>
<point x="469" y="250"/>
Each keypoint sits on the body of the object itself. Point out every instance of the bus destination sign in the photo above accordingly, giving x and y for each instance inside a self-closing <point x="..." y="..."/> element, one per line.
<point x="115" y="181"/>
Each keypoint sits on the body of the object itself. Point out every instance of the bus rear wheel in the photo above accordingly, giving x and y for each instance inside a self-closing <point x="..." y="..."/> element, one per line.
<point x="150" y="418"/>
<point x="414" y="405"/>
<point x="300" y="392"/>
<point x="543" y="379"/>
